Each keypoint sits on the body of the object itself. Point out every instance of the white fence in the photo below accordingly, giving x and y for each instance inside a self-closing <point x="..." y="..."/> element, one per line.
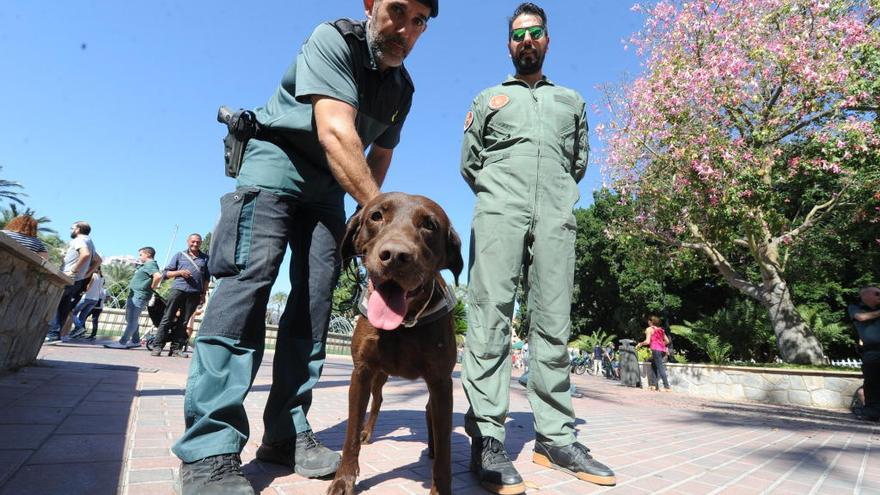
<point x="848" y="363"/>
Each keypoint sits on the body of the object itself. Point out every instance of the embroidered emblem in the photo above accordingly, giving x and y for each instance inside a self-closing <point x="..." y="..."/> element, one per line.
<point x="394" y="117"/>
<point x="468" y="120"/>
<point x="498" y="101"/>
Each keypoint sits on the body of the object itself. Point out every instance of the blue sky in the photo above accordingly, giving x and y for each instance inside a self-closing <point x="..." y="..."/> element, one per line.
<point x="109" y="107"/>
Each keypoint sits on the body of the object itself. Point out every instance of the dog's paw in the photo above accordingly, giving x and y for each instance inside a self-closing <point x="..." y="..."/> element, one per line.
<point x="444" y="489"/>
<point x="365" y="437"/>
<point x="342" y="485"/>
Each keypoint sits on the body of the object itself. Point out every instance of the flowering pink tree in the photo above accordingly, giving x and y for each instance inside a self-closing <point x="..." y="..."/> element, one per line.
<point x="753" y="120"/>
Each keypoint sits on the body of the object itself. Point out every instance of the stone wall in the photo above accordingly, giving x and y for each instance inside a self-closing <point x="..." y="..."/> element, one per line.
<point x="112" y="323"/>
<point x="811" y="388"/>
<point x="29" y="293"/>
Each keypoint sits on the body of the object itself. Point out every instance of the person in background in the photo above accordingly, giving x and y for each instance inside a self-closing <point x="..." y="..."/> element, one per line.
<point x="597" y="359"/>
<point x="657" y="340"/>
<point x="23" y="230"/>
<point x="95" y="315"/>
<point x="866" y="318"/>
<point x="190" y="270"/>
<point x="80" y="261"/>
<point x="144" y="281"/>
<point x="89" y="301"/>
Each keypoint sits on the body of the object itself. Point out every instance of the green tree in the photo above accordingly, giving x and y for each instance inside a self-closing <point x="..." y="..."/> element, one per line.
<point x="56" y="248"/>
<point x="11" y="190"/>
<point x="620" y="280"/>
<point x="347" y="292"/>
<point x="716" y="349"/>
<point x="116" y="279"/>
<point x="753" y="122"/>
<point x="277" y="303"/>
<point x="586" y="343"/>
<point x="206" y="243"/>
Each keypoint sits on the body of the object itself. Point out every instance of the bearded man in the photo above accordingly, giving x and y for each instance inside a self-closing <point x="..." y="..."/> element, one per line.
<point x="346" y="91"/>
<point x="525" y="149"/>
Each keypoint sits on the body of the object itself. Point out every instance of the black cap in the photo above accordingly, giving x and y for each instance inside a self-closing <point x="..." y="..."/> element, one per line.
<point x="433" y="4"/>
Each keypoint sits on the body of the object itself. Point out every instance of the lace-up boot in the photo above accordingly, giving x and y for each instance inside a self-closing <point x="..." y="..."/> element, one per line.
<point x="574" y="459"/>
<point x="306" y="455"/>
<point x="215" y="475"/>
<point x="494" y="468"/>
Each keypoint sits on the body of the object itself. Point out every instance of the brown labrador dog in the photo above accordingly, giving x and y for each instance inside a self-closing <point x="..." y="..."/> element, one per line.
<point x="404" y="242"/>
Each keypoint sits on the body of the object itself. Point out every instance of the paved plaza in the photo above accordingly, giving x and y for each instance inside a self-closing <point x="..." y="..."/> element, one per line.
<point x="89" y="420"/>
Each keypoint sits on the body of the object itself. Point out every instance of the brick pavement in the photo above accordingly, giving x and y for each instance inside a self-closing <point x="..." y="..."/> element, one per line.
<point x="91" y="420"/>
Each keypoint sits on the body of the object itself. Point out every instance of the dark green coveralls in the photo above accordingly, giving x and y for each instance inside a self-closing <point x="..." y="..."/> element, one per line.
<point x="524" y="151"/>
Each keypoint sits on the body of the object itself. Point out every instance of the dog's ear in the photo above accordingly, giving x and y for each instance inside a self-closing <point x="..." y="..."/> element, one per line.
<point x="348" y="247"/>
<point x="453" y="253"/>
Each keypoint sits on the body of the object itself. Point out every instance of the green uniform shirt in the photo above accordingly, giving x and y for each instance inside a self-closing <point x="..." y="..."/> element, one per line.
<point x="546" y="124"/>
<point x="142" y="280"/>
<point x="335" y="61"/>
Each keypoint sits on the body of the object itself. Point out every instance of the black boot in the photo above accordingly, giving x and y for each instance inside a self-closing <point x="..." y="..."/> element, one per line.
<point x="494" y="468"/>
<point x="215" y="475"/>
<point x="307" y="456"/>
<point x="574" y="459"/>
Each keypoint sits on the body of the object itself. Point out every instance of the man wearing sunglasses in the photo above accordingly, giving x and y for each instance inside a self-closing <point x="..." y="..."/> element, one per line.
<point x="346" y="91"/>
<point x="866" y="318"/>
<point x="525" y="149"/>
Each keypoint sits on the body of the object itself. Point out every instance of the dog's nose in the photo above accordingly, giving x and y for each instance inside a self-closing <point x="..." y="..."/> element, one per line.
<point x="395" y="253"/>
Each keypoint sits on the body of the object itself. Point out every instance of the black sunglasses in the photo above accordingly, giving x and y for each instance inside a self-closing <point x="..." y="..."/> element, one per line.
<point x="536" y="32"/>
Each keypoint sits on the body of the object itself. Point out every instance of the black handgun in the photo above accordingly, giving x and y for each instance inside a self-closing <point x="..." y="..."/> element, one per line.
<point x="242" y="126"/>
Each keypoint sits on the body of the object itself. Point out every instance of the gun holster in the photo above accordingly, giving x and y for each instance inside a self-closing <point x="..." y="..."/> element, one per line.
<point x="242" y="126"/>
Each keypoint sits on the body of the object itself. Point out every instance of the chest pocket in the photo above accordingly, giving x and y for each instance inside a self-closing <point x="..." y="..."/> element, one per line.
<point x="565" y="113"/>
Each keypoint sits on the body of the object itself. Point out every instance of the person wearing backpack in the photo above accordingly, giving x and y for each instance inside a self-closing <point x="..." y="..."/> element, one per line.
<point x="658" y="341"/>
<point x="190" y="270"/>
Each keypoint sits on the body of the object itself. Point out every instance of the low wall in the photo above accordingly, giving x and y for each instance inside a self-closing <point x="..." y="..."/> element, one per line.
<point x="112" y="322"/>
<point x="29" y="293"/>
<point x="811" y="388"/>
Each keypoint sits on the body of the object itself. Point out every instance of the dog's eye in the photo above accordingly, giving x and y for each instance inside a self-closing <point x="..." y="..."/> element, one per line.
<point x="429" y="224"/>
<point x="376" y="216"/>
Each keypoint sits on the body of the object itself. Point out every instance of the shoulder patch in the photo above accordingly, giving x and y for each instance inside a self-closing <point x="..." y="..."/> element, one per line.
<point x="468" y="120"/>
<point x="498" y="101"/>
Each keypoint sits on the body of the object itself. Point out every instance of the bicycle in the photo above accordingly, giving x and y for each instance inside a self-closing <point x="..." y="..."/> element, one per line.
<point x="581" y="364"/>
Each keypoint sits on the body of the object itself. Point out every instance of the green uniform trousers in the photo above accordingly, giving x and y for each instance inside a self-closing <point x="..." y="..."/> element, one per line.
<point x="532" y="232"/>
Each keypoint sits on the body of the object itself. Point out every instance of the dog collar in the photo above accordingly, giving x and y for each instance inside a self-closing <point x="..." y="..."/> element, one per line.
<point x="426" y="315"/>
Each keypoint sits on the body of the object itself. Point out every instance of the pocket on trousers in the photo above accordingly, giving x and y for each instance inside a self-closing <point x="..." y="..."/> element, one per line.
<point x="232" y="233"/>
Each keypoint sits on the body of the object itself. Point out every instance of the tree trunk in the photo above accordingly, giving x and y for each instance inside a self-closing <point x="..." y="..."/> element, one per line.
<point x="795" y="340"/>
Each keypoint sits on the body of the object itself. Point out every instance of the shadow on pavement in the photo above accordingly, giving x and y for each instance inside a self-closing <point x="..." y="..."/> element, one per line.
<point x="64" y="427"/>
<point x="737" y="415"/>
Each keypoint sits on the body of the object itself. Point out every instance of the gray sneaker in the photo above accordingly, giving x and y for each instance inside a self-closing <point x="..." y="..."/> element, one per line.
<point x="77" y="333"/>
<point x="306" y="455"/>
<point x="116" y="345"/>
<point x="215" y="475"/>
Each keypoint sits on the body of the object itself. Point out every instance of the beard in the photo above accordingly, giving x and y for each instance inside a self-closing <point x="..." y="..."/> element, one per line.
<point x="528" y="62"/>
<point x="384" y="47"/>
<point x="73" y="234"/>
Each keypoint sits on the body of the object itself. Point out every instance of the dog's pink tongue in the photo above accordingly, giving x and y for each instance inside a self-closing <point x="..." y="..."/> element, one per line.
<point x="386" y="308"/>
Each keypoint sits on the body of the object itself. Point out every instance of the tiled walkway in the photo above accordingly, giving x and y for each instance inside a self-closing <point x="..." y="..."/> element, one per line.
<point x="89" y="420"/>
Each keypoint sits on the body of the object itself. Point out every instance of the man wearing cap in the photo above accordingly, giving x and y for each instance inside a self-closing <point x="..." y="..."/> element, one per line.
<point x="525" y="149"/>
<point x="346" y="91"/>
